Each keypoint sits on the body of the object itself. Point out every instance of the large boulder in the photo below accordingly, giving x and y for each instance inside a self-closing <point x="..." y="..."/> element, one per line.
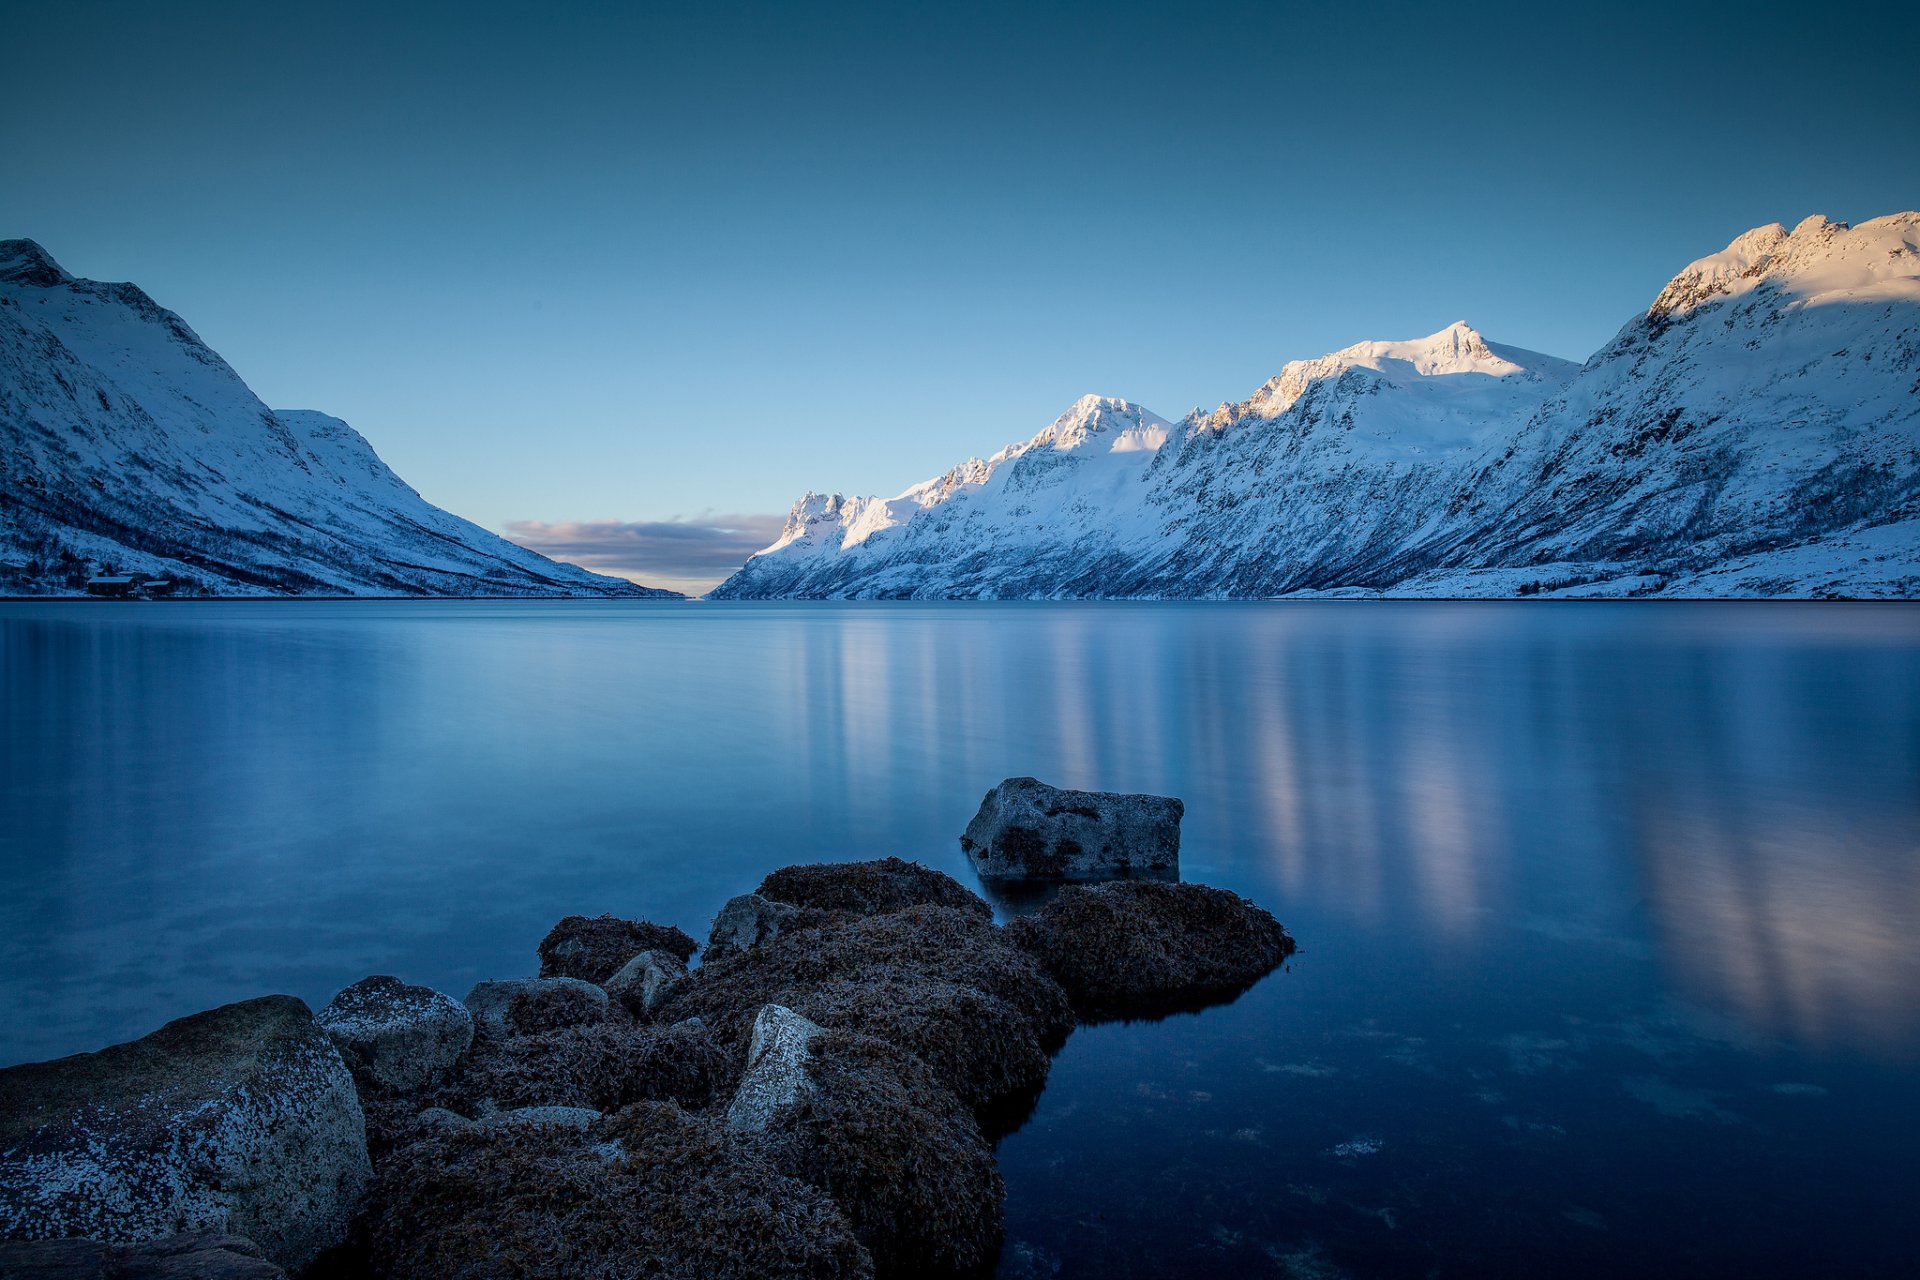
<point x="1027" y="830"/>
<point x="652" y="1191"/>
<point x="882" y="885"/>
<point x="944" y="984"/>
<point x="241" y="1120"/>
<point x="1137" y="948"/>
<point x="592" y="948"/>
<point x="747" y="920"/>
<point x="196" y="1256"/>
<point x="527" y="1006"/>
<point x="899" y="1153"/>
<point x="776" y="1073"/>
<point x="395" y="1036"/>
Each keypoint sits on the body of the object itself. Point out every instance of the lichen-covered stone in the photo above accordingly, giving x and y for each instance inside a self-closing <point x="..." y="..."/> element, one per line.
<point x="1137" y="948"/>
<point x="593" y="948"/>
<point x="641" y="984"/>
<point x="652" y="1192"/>
<point x="526" y="1006"/>
<point x="395" y="1036"/>
<point x="604" y="1066"/>
<point x="899" y="1153"/>
<point x="1027" y="830"/>
<point x="748" y="920"/>
<point x="194" y="1256"/>
<point x="878" y="886"/>
<point x="776" y="1072"/>
<point x="243" y="1119"/>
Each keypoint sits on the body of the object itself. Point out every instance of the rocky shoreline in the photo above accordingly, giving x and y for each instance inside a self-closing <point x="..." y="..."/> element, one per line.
<point x="818" y="1098"/>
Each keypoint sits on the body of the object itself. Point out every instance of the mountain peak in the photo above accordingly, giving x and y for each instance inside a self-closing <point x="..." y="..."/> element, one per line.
<point x="25" y="262"/>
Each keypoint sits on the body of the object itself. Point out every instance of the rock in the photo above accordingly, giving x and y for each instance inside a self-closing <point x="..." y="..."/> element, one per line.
<point x="592" y="948"/>
<point x="651" y="1191"/>
<point x="942" y="983"/>
<point x="776" y="1067"/>
<point x="395" y="1036"/>
<point x="1027" y="830"/>
<point x="1139" y="947"/>
<point x="566" y="1117"/>
<point x="749" y="920"/>
<point x="604" y="1066"/>
<point x="525" y="1006"/>
<point x="641" y="984"/>
<point x="883" y="885"/>
<point x="197" y="1256"/>
<point x="901" y="1156"/>
<point x="242" y="1119"/>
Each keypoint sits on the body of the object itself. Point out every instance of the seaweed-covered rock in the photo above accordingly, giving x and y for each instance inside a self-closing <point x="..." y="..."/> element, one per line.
<point x="898" y="1152"/>
<point x="604" y="1066"/>
<point x="241" y="1119"/>
<point x="897" y="976"/>
<point x="882" y="885"/>
<point x="565" y="1117"/>
<point x="395" y="1036"/>
<point x="652" y="1192"/>
<point x="747" y="920"/>
<point x="776" y="1071"/>
<point x="641" y="983"/>
<point x="1027" y="830"/>
<point x="526" y="1006"/>
<point x="592" y="948"/>
<point x="1140" y="947"/>
<point x="195" y="1256"/>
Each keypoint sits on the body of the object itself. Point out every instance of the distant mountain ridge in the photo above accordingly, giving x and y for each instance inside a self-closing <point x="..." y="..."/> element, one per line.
<point x="126" y="442"/>
<point x="1756" y="432"/>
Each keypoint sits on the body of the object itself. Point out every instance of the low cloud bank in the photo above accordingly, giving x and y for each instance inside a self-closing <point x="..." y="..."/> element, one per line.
<point x="687" y="553"/>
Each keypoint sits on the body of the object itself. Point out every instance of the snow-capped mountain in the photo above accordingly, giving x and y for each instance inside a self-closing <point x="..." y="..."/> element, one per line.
<point x="126" y="443"/>
<point x="1755" y="432"/>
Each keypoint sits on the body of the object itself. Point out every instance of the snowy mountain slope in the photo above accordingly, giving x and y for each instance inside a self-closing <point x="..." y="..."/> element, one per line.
<point x="1756" y="431"/>
<point x="125" y="441"/>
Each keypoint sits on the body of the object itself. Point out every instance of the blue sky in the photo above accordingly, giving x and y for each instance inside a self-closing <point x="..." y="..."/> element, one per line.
<point x="621" y="269"/>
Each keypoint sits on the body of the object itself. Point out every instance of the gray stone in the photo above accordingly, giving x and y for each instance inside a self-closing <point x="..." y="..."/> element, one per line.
<point x="526" y="1006"/>
<point x="1027" y="830"/>
<point x="396" y="1036"/>
<point x="749" y="920"/>
<point x="641" y="984"/>
<point x="776" y="1072"/>
<point x="440" y="1118"/>
<point x="197" y="1256"/>
<point x="566" y="1117"/>
<point x="242" y="1120"/>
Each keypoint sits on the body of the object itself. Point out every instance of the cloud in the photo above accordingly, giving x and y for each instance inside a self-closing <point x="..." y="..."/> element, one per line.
<point x="688" y="554"/>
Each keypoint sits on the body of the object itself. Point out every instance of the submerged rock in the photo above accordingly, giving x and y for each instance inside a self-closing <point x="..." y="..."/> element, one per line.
<point x="652" y="1191"/>
<point x="526" y="1006"/>
<point x="242" y="1119"/>
<point x="1141" y="947"/>
<point x="776" y="1073"/>
<point x="641" y="983"/>
<point x="882" y="885"/>
<point x="196" y="1256"/>
<point x="395" y="1036"/>
<point x="899" y="1153"/>
<point x="1027" y="830"/>
<point x="593" y="948"/>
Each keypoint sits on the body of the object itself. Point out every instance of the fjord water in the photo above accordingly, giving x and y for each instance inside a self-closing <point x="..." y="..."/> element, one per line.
<point x="1607" y="911"/>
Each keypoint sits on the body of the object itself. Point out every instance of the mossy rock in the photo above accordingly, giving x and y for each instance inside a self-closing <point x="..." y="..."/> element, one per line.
<point x="870" y="888"/>
<point x="593" y="948"/>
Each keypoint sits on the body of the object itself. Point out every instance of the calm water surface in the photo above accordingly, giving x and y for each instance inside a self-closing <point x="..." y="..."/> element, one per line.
<point x="1608" y="912"/>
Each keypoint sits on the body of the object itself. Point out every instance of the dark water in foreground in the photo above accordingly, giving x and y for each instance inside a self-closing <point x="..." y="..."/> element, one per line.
<point x="1608" y="912"/>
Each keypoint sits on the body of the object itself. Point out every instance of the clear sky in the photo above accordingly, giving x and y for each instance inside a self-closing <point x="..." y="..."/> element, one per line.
<point x="644" y="274"/>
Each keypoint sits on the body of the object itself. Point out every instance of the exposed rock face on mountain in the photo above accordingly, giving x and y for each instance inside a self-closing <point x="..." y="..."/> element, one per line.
<point x="126" y="443"/>
<point x="1755" y="433"/>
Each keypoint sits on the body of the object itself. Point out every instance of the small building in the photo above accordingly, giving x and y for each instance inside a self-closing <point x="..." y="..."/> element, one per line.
<point x="115" y="585"/>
